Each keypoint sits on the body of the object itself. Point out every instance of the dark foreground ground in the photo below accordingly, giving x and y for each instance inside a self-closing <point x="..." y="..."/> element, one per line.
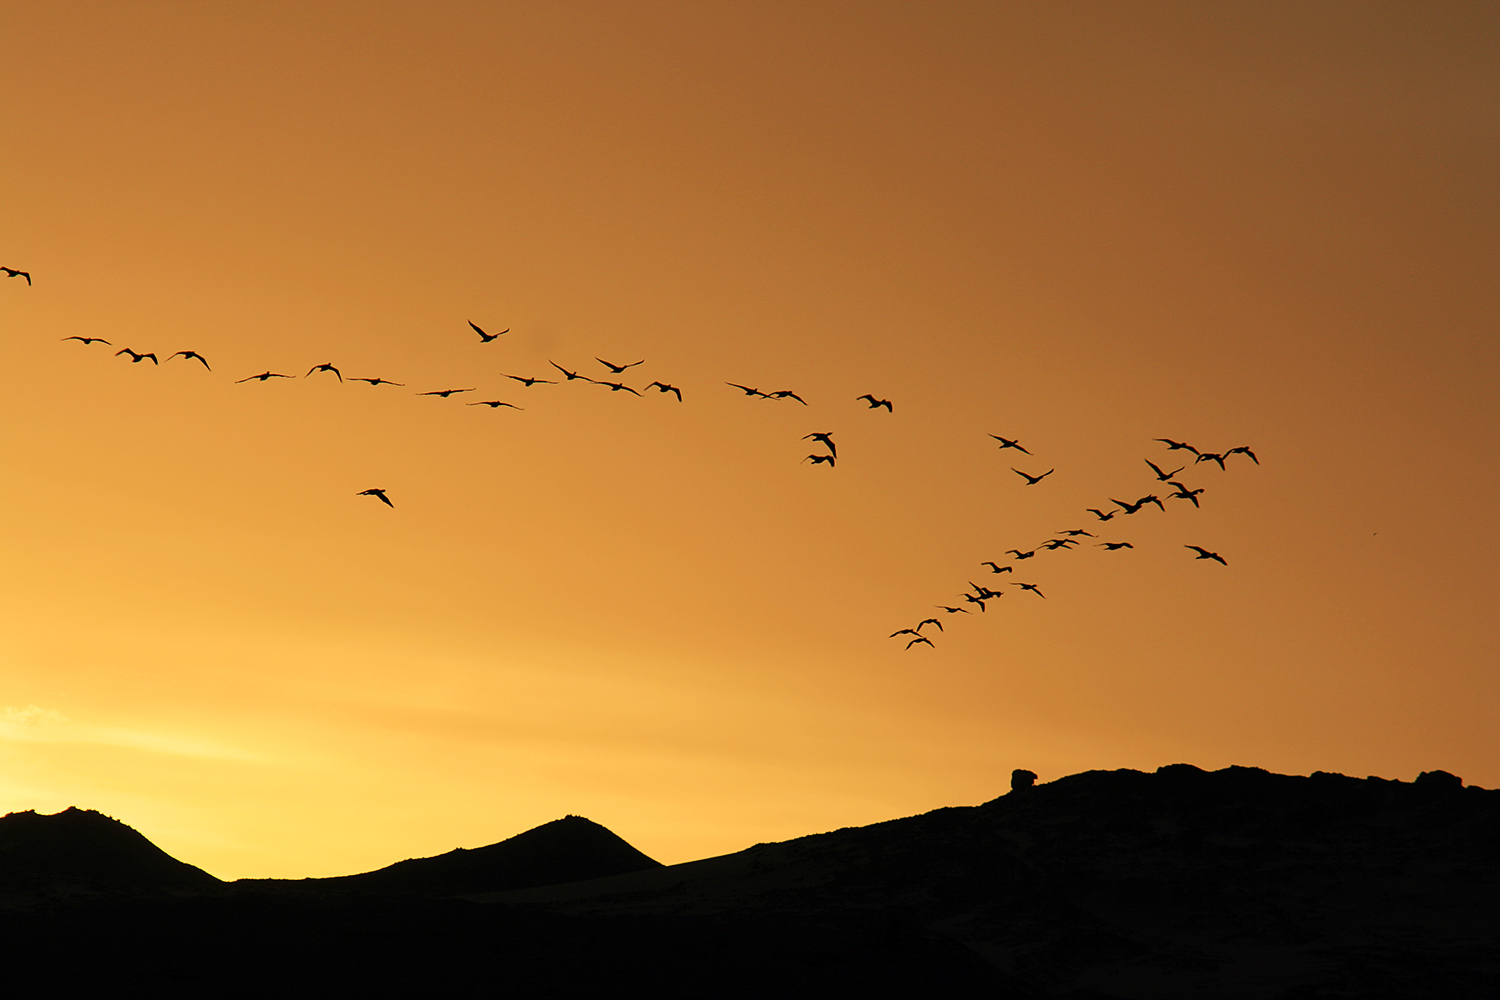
<point x="1178" y="884"/>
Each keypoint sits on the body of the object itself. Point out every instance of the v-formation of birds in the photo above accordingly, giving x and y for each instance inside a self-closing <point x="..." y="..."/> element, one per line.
<point x="976" y="596"/>
<point x="1066" y="539"/>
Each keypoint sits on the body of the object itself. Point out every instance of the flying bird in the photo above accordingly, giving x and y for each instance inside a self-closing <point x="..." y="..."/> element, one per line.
<point x="194" y="355"/>
<point x="1112" y="546"/>
<point x="1032" y="480"/>
<point x="617" y="369"/>
<point x="951" y="611"/>
<point x="876" y="404"/>
<point x="820" y="459"/>
<point x="326" y="367"/>
<point x="445" y="393"/>
<point x="1185" y="493"/>
<point x="974" y="600"/>
<point x="89" y="340"/>
<point x="492" y="403"/>
<point x="262" y="377"/>
<point x="1153" y="498"/>
<point x="1176" y="445"/>
<point x="1031" y="587"/>
<point x="1005" y="443"/>
<point x="529" y="382"/>
<point x="375" y="381"/>
<point x="1075" y="532"/>
<point x="1209" y="456"/>
<point x="485" y="338"/>
<point x="787" y="394"/>
<point x="11" y="272"/>
<point x="1100" y="514"/>
<point x="904" y="631"/>
<point x="571" y="375"/>
<point x="749" y="391"/>
<point x="997" y="568"/>
<point x="376" y="493"/>
<point x="1131" y="508"/>
<point x="1242" y="450"/>
<point x="135" y="358"/>
<point x="1020" y="554"/>
<point x="1053" y="544"/>
<point x="1161" y="476"/>
<point x="1205" y="554"/>
<point x="929" y="621"/>
<point x="825" y="439"/>
<point x="616" y="386"/>
<point x="920" y="638"/>
<point x="663" y="387"/>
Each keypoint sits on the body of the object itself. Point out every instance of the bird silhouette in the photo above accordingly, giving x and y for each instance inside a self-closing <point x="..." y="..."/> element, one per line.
<point x="1153" y="498"/>
<point x="529" y="382"/>
<point x="1020" y="554"/>
<point x="1130" y="508"/>
<point x="820" y="459"/>
<point x="904" y="631"/>
<point x="1209" y="456"/>
<point x="1112" y="546"/>
<point x="1053" y="544"/>
<point x="876" y="404"/>
<point x="787" y="394"/>
<point x="1033" y="480"/>
<point x="951" y="611"/>
<point x="1075" y="532"/>
<point x="325" y="367"/>
<point x="929" y="621"/>
<point x="749" y="391"/>
<point x="89" y="340"/>
<point x="1005" y="443"/>
<point x="1100" y="514"/>
<point x="1161" y="476"/>
<point x="11" y="272"/>
<point x="445" y="393"/>
<point x="825" y="439"/>
<point x="1176" y="445"/>
<point x="135" y="358"/>
<point x="376" y="493"/>
<point x="1242" y="450"/>
<point x="1031" y="587"/>
<point x="663" y="387"/>
<point x="262" y="377"/>
<point x="920" y="638"/>
<point x="985" y="593"/>
<point x="485" y="338"/>
<point x="997" y="568"/>
<point x="375" y="381"/>
<point x="616" y="387"/>
<point x="975" y="600"/>
<point x="1185" y="493"/>
<point x="493" y="403"/>
<point x="571" y="375"/>
<point x="194" y="355"/>
<point x="1205" y="554"/>
<point x="617" y="369"/>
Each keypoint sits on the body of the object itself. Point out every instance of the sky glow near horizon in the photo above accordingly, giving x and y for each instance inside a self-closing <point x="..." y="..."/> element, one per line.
<point x="1084" y="228"/>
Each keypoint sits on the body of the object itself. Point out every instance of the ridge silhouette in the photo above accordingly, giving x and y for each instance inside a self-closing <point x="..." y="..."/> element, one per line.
<point x="1178" y="883"/>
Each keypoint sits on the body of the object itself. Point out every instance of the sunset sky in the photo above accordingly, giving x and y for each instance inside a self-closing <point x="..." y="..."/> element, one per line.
<point x="1082" y="226"/>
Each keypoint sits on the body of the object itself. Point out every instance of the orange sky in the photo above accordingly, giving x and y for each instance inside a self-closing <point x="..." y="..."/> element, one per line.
<point x="1084" y="226"/>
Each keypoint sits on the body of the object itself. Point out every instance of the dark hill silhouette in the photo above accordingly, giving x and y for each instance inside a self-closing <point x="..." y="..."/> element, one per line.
<point x="564" y="850"/>
<point x="83" y="850"/>
<point x="1181" y="883"/>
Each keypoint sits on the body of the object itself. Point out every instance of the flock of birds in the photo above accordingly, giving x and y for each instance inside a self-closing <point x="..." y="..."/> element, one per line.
<point x="976" y="596"/>
<point x="1066" y="539"/>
